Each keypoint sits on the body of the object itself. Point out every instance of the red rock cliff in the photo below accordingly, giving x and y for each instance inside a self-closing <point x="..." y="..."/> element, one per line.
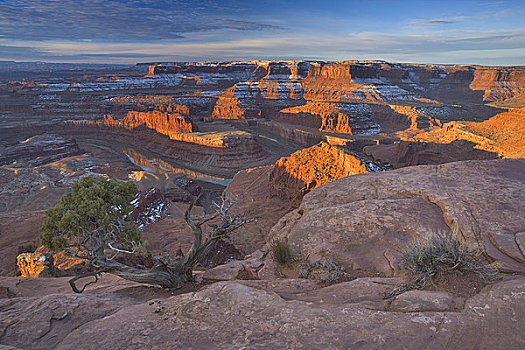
<point x="304" y="170"/>
<point x="162" y="122"/>
<point x="321" y="115"/>
<point x="500" y="85"/>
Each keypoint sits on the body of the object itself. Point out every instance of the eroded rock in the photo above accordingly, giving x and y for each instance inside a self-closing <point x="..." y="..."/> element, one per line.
<point x="363" y="222"/>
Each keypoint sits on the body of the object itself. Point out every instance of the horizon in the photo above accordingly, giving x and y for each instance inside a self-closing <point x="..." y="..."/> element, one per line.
<point x="145" y="64"/>
<point x="472" y="32"/>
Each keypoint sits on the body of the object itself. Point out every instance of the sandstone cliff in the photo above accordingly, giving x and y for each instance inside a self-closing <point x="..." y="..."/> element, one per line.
<point x="363" y="222"/>
<point x="501" y="86"/>
<point x="227" y="108"/>
<point x="350" y="81"/>
<point x="324" y="116"/>
<point x="304" y="170"/>
<point x="216" y="153"/>
<point x="269" y="192"/>
<point x="503" y="134"/>
<point x="162" y="122"/>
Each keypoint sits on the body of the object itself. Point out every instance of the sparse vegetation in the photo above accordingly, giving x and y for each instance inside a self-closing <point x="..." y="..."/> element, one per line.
<point x="93" y="222"/>
<point x="437" y="255"/>
<point x="281" y="252"/>
<point x="323" y="271"/>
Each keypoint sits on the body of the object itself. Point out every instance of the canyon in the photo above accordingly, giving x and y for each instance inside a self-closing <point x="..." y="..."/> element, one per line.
<point x="345" y="162"/>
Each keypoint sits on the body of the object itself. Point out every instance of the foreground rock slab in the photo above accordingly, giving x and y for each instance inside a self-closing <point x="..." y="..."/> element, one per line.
<point x="363" y="222"/>
<point x="231" y="315"/>
<point x="279" y="314"/>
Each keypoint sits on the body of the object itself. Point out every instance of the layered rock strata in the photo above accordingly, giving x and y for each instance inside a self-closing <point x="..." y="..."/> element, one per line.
<point x="503" y="134"/>
<point x="267" y="193"/>
<point x="162" y="122"/>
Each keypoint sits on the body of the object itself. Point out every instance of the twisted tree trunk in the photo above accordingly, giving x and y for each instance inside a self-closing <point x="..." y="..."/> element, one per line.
<point x="163" y="273"/>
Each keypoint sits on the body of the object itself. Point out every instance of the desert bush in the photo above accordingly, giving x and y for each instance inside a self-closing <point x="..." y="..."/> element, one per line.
<point x="437" y="255"/>
<point x="281" y="252"/>
<point x="93" y="222"/>
<point x="324" y="271"/>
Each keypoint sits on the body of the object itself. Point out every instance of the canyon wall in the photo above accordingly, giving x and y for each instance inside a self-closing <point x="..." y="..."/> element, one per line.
<point x="224" y="156"/>
<point x="269" y="192"/>
<point x="162" y="122"/>
<point x="503" y="134"/>
<point x="320" y="115"/>
<point x="361" y="81"/>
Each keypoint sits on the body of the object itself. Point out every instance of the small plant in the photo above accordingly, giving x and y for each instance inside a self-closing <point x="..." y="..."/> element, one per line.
<point x="324" y="271"/>
<point x="281" y="252"/>
<point x="435" y="256"/>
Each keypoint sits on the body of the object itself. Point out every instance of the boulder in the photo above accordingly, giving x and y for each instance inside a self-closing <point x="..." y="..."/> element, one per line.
<point x="363" y="222"/>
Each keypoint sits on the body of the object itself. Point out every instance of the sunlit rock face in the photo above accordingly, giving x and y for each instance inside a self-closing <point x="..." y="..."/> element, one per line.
<point x="43" y="263"/>
<point x="324" y="116"/>
<point x="31" y="264"/>
<point x="304" y="170"/>
<point x="228" y="108"/>
<point x="365" y="81"/>
<point x="501" y="86"/>
<point x="162" y="122"/>
<point x="269" y="192"/>
<point x="503" y="134"/>
<point x="364" y="221"/>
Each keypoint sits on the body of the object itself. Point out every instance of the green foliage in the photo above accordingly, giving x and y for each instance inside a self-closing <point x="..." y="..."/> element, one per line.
<point x="437" y="255"/>
<point x="96" y="212"/>
<point x="281" y="252"/>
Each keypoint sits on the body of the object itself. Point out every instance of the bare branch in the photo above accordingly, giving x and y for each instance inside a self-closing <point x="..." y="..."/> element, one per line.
<point x="74" y="279"/>
<point x="117" y="250"/>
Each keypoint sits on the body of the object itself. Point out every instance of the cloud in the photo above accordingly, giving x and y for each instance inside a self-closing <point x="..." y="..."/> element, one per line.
<point x="112" y="20"/>
<point x="13" y="52"/>
<point x="436" y="22"/>
<point x="480" y="47"/>
<point x="186" y="30"/>
<point x="492" y="3"/>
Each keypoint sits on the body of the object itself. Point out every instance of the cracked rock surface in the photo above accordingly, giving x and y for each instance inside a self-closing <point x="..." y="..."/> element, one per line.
<point x="268" y="315"/>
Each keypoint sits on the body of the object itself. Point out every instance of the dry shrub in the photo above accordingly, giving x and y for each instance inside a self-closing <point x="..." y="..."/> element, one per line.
<point x="281" y="252"/>
<point x="437" y="255"/>
<point x="323" y="271"/>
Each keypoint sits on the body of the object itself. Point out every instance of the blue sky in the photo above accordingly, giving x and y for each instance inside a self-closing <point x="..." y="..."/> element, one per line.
<point x="103" y="31"/>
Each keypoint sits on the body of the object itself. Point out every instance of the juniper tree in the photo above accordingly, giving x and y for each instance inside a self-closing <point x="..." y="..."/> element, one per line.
<point x="94" y="222"/>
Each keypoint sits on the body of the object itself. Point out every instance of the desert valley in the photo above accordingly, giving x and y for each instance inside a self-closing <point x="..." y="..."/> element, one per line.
<point x="341" y="165"/>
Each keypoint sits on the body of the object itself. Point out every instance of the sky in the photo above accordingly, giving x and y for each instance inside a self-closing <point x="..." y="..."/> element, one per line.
<point x="126" y="32"/>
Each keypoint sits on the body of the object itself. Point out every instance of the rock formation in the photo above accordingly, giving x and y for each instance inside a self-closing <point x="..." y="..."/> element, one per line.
<point x="40" y="150"/>
<point x="269" y="314"/>
<point x="321" y="115"/>
<point x="162" y="122"/>
<point x="220" y="154"/>
<point x="267" y="193"/>
<point x="363" y="222"/>
<point x="304" y="170"/>
<point x="43" y="263"/>
<point x="227" y="108"/>
<point x="501" y="86"/>
<point x="406" y="153"/>
<point x="503" y="134"/>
